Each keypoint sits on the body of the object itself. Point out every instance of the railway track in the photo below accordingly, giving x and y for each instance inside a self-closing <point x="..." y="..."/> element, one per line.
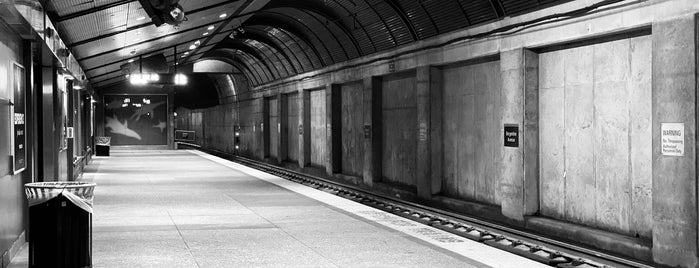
<point x="541" y="249"/>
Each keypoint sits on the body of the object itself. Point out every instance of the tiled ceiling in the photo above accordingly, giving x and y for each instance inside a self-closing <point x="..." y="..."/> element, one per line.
<point x="105" y="34"/>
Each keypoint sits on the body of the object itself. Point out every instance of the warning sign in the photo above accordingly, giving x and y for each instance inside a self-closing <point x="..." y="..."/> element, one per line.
<point x="672" y="136"/>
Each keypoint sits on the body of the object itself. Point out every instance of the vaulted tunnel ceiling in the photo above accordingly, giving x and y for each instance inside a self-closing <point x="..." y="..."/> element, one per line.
<point x="264" y="40"/>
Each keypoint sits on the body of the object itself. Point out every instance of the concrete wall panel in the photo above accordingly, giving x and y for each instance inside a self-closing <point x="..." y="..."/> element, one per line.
<point x="273" y="128"/>
<point x="292" y="126"/>
<point x="471" y="119"/>
<point x="352" y="128"/>
<point x="585" y="95"/>
<point x="248" y="128"/>
<point x="579" y="135"/>
<point x="640" y="133"/>
<point x="399" y="114"/>
<point x="319" y="147"/>
<point x="551" y="137"/>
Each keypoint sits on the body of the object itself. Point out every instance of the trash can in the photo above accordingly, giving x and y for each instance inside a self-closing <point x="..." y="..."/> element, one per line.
<point x="60" y="224"/>
<point x="102" y="146"/>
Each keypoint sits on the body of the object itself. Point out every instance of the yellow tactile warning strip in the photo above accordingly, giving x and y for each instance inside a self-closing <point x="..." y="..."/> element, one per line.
<point x="470" y="249"/>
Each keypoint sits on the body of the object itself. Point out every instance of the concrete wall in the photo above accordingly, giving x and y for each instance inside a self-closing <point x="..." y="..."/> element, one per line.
<point x="319" y="146"/>
<point x="471" y="114"/>
<point x="292" y="126"/>
<point x="249" y="127"/>
<point x="273" y="127"/>
<point x="595" y="121"/>
<point x="624" y="70"/>
<point x="399" y="135"/>
<point x="352" y="133"/>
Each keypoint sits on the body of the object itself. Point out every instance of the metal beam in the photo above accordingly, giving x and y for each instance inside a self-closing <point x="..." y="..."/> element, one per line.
<point x="328" y="14"/>
<point x="403" y="17"/>
<point x="257" y="54"/>
<point x="262" y="38"/>
<point x="497" y="8"/>
<point x="281" y="20"/>
<point x="383" y="21"/>
<point x="233" y="52"/>
<point x="337" y="40"/>
<point x="266" y="38"/>
<point x="193" y="12"/>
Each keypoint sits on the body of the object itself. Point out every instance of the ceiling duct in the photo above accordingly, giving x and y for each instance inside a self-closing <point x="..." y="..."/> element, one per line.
<point x="164" y="11"/>
<point x="152" y="64"/>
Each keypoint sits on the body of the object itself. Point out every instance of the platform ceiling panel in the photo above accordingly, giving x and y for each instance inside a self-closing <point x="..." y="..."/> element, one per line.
<point x="198" y="24"/>
<point x="106" y="34"/>
<point x="68" y="7"/>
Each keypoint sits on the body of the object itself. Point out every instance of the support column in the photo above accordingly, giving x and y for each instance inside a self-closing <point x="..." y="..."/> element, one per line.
<point x="435" y="137"/>
<point x="424" y="146"/>
<point x="263" y="127"/>
<point x="372" y="129"/>
<point x="304" y="127"/>
<point x="674" y="177"/>
<point x="333" y="102"/>
<point x="283" y="126"/>
<point x="519" y="165"/>
<point x="171" y="119"/>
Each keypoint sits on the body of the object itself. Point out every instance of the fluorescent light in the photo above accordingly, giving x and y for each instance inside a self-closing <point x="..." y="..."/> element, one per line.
<point x="138" y="79"/>
<point x="192" y="47"/>
<point x="210" y="28"/>
<point x="223" y="15"/>
<point x="181" y="79"/>
<point x="143" y="79"/>
<point x="131" y="60"/>
<point x="141" y="18"/>
<point x="186" y="53"/>
<point x="206" y="33"/>
<point x="197" y="43"/>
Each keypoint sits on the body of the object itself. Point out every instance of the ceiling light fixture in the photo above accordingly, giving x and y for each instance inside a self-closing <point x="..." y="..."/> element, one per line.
<point x="223" y="15"/>
<point x="197" y="43"/>
<point x="210" y="28"/>
<point x="131" y="60"/>
<point x="192" y="47"/>
<point x="180" y="79"/>
<point x="141" y="18"/>
<point x="206" y="33"/>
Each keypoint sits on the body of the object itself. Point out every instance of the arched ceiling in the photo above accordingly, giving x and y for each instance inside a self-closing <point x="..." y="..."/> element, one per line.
<point x="266" y="40"/>
<point x="286" y="38"/>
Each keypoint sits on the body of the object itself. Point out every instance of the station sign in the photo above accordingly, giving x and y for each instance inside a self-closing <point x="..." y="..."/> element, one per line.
<point x="511" y="135"/>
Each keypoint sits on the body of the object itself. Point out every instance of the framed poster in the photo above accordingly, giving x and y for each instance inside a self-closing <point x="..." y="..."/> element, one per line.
<point x="136" y="119"/>
<point x="19" y="138"/>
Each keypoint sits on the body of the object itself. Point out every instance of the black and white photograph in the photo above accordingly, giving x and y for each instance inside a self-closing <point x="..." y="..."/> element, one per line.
<point x="349" y="133"/>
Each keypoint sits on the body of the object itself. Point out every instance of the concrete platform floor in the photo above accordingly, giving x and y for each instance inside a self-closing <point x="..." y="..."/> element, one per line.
<point x="186" y="209"/>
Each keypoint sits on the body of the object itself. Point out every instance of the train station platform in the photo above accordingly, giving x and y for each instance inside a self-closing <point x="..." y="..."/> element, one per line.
<point x="190" y="209"/>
